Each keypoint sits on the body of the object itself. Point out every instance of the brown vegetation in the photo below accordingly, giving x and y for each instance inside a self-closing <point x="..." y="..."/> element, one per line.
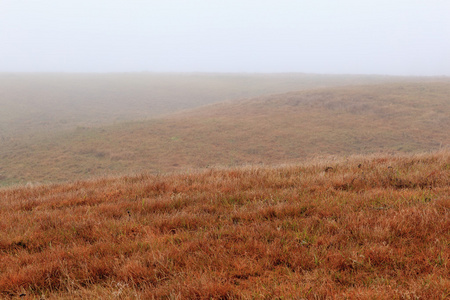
<point x="361" y="227"/>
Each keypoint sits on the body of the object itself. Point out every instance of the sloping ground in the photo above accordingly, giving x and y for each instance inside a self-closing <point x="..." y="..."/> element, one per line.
<point x="363" y="227"/>
<point x="281" y="128"/>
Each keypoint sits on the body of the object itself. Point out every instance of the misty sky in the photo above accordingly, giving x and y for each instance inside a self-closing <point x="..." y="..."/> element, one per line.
<point x="399" y="37"/>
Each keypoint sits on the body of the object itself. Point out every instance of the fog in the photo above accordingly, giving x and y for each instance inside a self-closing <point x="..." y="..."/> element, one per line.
<point x="326" y="36"/>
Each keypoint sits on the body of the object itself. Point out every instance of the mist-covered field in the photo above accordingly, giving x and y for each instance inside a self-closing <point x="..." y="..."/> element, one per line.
<point x="64" y="127"/>
<point x="51" y="101"/>
<point x="224" y="149"/>
<point x="214" y="186"/>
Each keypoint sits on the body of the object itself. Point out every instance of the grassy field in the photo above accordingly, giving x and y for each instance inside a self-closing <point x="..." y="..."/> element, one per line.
<point x="281" y="128"/>
<point x="234" y="186"/>
<point x="365" y="227"/>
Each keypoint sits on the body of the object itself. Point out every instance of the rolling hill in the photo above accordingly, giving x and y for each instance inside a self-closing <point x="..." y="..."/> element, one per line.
<point x="48" y="102"/>
<point x="275" y="129"/>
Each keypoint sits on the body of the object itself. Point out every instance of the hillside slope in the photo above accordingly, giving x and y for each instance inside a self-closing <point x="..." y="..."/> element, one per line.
<point x="273" y="129"/>
<point x="362" y="227"/>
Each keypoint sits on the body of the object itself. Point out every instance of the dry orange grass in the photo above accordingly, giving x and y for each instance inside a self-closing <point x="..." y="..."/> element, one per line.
<point x="362" y="227"/>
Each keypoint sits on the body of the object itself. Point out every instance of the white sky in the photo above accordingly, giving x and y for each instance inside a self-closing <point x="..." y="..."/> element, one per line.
<point x="400" y="37"/>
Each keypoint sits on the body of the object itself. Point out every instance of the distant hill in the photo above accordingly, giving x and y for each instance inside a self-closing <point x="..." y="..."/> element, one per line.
<point x="47" y="102"/>
<point x="276" y="129"/>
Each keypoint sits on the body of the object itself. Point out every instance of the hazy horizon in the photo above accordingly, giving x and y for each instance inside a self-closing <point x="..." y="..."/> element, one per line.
<point x="402" y="38"/>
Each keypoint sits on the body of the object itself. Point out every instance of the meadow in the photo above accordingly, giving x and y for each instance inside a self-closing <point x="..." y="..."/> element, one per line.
<point x="279" y="128"/>
<point x="224" y="186"/>
<point x="361" y="227"/>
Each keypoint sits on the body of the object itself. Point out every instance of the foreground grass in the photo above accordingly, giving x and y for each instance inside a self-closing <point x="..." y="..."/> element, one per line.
<point x="363" y="227"/>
